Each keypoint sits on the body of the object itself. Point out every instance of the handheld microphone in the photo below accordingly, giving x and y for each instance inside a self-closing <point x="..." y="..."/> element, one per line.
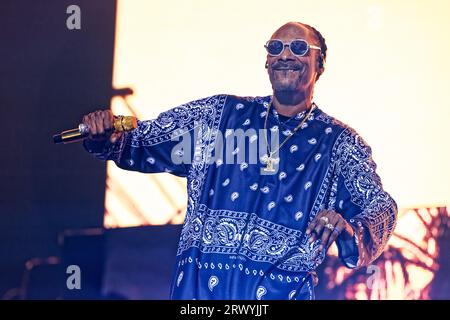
<point x="120" y="124"/>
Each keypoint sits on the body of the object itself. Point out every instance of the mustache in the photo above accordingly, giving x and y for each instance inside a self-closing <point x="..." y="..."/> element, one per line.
<point x="288" y="65"/>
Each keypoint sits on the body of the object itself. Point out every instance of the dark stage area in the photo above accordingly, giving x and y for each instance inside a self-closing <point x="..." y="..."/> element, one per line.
<point x="50" y="77"/>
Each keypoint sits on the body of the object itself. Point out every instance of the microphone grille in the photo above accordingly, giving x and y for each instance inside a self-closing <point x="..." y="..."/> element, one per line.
<point x="84" y="129"/>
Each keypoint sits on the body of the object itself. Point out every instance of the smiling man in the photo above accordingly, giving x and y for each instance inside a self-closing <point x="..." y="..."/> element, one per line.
<point x="259" y="230"/>
<point x="294" y="63"/>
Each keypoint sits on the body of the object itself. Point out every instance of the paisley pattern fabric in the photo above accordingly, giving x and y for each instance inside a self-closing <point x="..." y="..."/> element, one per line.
<point x="243" y="236"/>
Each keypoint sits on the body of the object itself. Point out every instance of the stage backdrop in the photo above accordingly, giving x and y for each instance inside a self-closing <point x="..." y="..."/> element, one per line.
<point x="386" y="75"/>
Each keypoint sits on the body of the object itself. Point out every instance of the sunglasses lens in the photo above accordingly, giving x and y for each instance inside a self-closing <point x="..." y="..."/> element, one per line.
<point x="299" y="47"/>
<point x="274" y="47"/>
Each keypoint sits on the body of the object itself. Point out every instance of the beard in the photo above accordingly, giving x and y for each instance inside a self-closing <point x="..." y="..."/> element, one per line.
<point x="287" y="75"/>
<point x="289" y="82"/>
<point x="290" y="97"/>
<point x="286" y="80"/>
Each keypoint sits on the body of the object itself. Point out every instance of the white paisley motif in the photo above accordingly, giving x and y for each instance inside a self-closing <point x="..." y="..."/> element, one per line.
<point x="308" y="185"/>
<point x="260" y="292"/>
<point x="161" y="129"/>
<point x="243" y="166"/>
<point x="265" y="190"/>
<point x="212" y="282"/>
<point x="223" y="231"/>
<point x="379" y="211"/>
<point x="180" y="277"/>
<point x="254" y="186"/>
<point x="289" y="198"/>
<point x="292" y="295"/>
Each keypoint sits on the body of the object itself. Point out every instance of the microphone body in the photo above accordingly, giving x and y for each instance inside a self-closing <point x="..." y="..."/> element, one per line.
<point x="120" y="124"/>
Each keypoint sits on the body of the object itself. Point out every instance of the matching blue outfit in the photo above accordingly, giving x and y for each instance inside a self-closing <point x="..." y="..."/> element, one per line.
<point x="244" y="232"/>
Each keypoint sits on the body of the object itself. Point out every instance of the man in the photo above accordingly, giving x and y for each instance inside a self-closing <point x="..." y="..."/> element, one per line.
<point x="259" y="230"/>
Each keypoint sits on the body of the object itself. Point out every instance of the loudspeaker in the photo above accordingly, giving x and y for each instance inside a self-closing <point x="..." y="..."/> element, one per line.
<point x="123" y="263"/>
<point x="83" y="256"/>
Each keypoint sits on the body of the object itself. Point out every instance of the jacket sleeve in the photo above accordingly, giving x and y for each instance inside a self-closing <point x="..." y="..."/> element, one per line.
<point x="359" y="196"/>
<point x="165" y="144"/>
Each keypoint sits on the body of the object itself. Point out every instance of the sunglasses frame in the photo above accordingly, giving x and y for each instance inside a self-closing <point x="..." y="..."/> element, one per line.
<point x="288" y="44"/>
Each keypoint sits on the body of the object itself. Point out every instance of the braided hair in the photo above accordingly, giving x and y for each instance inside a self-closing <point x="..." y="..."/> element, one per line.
<point x="323" y="48"/>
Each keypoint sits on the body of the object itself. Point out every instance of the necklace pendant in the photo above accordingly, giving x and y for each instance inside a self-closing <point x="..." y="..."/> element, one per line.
<point x="269" y="165"/>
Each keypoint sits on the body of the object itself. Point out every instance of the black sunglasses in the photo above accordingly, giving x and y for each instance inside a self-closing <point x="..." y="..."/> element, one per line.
<point x="298" y="47"/>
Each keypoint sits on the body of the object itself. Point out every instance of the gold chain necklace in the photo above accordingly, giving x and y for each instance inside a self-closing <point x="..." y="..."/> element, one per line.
<point x="269" y="161"/>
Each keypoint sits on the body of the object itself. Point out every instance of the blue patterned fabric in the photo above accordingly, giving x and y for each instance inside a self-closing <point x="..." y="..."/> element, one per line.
<point x="243" y="236"/>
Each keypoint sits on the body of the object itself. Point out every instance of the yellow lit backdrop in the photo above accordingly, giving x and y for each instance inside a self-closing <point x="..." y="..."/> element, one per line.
<point x="387" y="75"/>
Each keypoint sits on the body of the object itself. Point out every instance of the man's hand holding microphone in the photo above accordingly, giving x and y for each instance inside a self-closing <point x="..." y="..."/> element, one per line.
<point x="98" y="126"/>
<point x="101" y="126"/>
